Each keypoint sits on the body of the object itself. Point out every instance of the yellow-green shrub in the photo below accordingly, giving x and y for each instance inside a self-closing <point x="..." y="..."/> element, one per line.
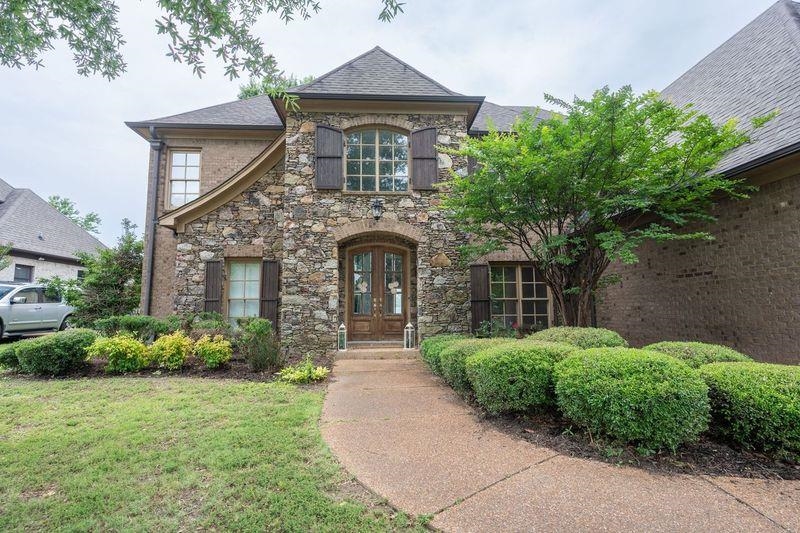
<point x="170" y="351"/>
<point x="122" y="353"/>
<point x="214" y="351"/>
<point x="304" y="372"/>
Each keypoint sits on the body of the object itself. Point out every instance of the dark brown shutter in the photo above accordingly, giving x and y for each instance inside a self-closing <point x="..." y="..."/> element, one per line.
<point x="270" y="273"/>
<point x="479" y="295"/>
<point x="328" y="158"/>
<point x="213" y="294"/>
<point x="424" y="168"/>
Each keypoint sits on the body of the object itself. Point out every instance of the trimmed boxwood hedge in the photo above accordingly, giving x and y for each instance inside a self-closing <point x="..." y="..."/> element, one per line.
<point x="696" y="354"/>
<point x="756" y="405"/>
<point x="582" y="337"/>
<point x="55" y="354"/>
<point x="431" y="349"/>
<point x="633" y="396"/>
<point x="453" y="359"/>
<point x="515" y="376"/>
<point x="8" y="355"/>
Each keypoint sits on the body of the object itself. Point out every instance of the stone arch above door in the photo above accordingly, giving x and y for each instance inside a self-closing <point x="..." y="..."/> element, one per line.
<point x="382" y="226"/>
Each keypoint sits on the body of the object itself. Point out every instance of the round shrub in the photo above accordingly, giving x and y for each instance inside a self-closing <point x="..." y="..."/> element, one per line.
<point x="8" y="356"/>
<point x="453" y="359"/>
<point x="55" y="354"/>
<point x="144" y="327"/>
<point x="696" y="354"/>
<point x="516" y="376"/>
<point x="122" y="353"/>
<point x="213" y="351"/>
<point x="170" y="351"/>
<point x="633" y="396"/>
<point x="431" y="349"/>
<point x="581" y="337"/>
<point x="756" y="405"/>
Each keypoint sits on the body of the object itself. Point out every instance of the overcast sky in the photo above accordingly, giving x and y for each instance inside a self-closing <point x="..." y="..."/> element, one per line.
<point x="64" y="134"/>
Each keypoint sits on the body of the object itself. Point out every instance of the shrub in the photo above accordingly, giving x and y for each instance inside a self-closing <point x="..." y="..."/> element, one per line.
<point x="581" y="337"/>
<point x="143" y="327"/>
<point x="122" y="353"/>
<point x="756" y="405"/>
<point x="8" y="356"/>
<point x="170" y="351"/>
<point x="431" y="349"/>
<point x="214" y="351"/>
<point x="56" y="354"/>
<point x="304" y="372"/>
<point x="453" y="359"/>
<point x="258" y="345"/>
<point x="696" y="354"/>
<point x="633" y="396"/>
<point x="515" y="376"/>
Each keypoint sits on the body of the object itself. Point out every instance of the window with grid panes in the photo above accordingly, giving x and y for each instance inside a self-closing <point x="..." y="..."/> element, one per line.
<point x="184" y="177"/>
<point x="519" y="297"/>
<point x="377" y="160"/>
<point x="244" y="290"/>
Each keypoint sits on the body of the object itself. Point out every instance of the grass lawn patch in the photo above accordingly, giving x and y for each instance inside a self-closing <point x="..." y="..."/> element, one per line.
<point x="157" y="454"/>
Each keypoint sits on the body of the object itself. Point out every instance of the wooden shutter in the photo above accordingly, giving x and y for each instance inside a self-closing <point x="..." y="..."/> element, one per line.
<point x="424" y="167"/>
<point x="270" y="273"/>
<point x="480" y="301"/>
<point x="328" y="158"/>
<point x="213" y="293"/>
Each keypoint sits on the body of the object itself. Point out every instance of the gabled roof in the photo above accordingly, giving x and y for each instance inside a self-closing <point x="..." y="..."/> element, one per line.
<point x="502" y="117"/>
<point x="32" y="225"/>
<point x="256" y="112"/>
<point x="753" y="73"/>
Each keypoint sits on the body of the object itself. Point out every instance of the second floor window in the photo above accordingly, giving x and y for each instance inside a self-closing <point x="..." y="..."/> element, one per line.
<point x="184" y="177"/>
<point x="377" y="161"/>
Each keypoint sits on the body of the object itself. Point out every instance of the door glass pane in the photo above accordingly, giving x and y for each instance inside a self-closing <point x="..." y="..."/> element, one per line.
<point x="393" y="284"/>
<point x="362" y="283"/>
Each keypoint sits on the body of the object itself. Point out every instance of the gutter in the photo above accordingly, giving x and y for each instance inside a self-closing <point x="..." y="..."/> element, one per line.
<point x="152" y="221"/>
<point x="762" y="160"/>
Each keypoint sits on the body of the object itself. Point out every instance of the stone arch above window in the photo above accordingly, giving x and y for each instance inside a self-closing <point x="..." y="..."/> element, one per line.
<point x="377" y="121"/>
<point x="377" y="159"/>
<point x="376" y="227"/>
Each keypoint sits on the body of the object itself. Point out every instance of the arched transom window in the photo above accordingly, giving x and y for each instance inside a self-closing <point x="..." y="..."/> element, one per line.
<point x="377" y="160"/>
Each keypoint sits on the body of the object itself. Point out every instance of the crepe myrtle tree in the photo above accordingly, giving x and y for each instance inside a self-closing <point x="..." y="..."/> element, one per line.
<point x="589" y="186"/>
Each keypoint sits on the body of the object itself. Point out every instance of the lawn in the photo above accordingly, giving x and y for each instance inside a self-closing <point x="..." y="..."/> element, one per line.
<point x="166" y="454"/>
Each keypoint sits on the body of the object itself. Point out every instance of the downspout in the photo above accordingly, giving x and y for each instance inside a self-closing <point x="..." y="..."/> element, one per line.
<point x="152" y="220"/>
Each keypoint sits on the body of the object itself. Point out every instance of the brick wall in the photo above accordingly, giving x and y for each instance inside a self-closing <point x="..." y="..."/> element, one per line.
<point x="741" y="290"/>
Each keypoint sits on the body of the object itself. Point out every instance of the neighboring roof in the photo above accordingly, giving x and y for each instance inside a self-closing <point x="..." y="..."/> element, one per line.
<point x="753" y="73"/>
<point x="256" y="112"/>
<point x="502" y="117"/>
<point x="32" y="225"/>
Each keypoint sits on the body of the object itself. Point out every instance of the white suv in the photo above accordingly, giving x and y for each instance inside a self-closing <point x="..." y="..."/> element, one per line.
<point x="28" y="308"/>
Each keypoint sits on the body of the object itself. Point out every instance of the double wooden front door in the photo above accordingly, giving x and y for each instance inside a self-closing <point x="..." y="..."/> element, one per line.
<point x="377" y="292"/>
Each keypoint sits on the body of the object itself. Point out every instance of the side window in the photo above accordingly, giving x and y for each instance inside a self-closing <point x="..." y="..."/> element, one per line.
<point x="51" y="296"/>
<point x="23" y="273"/>
<point x="184" y="177"/>
<point x="31" y="295"/>
<point x="244" y="290"/>
<point x="519" y="297"/>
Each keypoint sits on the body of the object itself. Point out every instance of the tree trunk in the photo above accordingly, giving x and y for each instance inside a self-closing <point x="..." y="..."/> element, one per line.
<point x="573" y="286"/>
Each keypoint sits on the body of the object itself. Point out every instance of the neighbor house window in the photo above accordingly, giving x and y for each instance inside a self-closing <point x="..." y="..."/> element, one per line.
<point x="23" y="273"/>
<point x="377" y="160"/>
<point x="244" y="290"/>
<point x="184" y="177"/>
<point x="519" y="297"/>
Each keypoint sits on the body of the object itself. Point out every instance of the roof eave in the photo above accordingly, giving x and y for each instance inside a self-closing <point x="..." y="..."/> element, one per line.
<point x="390" y="97"/>
<point x="142" y="128"/>
<point x="762" y="160"/>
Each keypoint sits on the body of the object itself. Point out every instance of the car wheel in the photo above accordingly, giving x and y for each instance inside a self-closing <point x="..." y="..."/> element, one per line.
<point x="66" y="323"/>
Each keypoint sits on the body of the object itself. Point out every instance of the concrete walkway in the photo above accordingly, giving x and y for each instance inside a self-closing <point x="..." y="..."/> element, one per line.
<point x="409" y="438"/>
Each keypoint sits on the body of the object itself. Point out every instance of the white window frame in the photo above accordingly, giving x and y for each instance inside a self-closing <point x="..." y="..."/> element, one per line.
<point x="234" y="295"/>
<point x="376" y="145"/>
<point x="180" y="176"/>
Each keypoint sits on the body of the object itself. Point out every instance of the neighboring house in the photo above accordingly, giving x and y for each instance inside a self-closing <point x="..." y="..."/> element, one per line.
<point x="329" y="214"/>
<point x="44" y="243"/>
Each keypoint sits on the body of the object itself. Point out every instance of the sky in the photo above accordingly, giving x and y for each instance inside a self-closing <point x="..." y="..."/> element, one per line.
<point x="64" y="134"/>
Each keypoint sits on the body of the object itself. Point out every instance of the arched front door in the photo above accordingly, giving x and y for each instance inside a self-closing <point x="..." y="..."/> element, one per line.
<point x="377" y="292"/>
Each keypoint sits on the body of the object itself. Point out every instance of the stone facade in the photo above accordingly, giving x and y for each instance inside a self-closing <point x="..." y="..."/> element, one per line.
<point x="41" y="268"/>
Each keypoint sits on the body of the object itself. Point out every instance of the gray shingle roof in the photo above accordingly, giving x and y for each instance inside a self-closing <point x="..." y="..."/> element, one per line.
<point x="255" y="112"/>
<point x="752" y="73"/>
<point x="502" y="117"/>
<point x="31" y="224"/>
<point x="375" y="73"/>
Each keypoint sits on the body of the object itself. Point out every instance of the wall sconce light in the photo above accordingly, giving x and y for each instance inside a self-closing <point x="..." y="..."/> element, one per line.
<point x="342" y="338"/>
<point x="377" y="208"/>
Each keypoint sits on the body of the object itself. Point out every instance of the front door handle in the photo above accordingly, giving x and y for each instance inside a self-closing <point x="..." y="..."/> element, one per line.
<point x="37" y="308"/>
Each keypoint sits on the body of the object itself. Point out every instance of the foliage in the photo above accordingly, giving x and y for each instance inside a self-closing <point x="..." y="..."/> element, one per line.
<point x="494" y="328"/>
<point x="515" y="376"/>
<point x="756" y="405"/>
<point x="304" y="372"/>
<point x="453" y="360"/>
<point x="56" y="354"/>
<point x="257" y="344"/>
<point x="577" y="191"/>
<point x="208" y="323"/>
<point x="122" y="353"/>
<point x="696" y="354"/>
<point x="194" y="28"/>
<point x="5" y="261"/>
<point x="90" y="221"/>
<point x="431" y="349"/>
<point x="581" y="337"/>
<point x="633" y="396"/>
<point x="170" y="351"/>
<point x="144" y="327"/>
<point x="279" y="82"/>
<point x="8" y="356"/>
<point x="214" y="352"/>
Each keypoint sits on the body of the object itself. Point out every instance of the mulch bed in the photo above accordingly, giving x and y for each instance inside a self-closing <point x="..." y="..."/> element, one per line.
<point x="706" y="457"/>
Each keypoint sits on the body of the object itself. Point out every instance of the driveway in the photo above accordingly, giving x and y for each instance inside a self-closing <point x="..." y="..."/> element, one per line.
<point x="408" y="437"/>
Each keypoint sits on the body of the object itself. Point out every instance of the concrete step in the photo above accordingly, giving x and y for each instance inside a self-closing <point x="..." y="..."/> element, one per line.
<point x="360" y="345"/>
<point x="377" y="353"/>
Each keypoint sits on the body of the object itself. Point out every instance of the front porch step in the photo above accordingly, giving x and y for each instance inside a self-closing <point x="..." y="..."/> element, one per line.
<point x="377" y="353"/>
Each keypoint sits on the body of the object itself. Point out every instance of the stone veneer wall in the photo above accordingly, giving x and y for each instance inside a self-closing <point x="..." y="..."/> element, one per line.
<point x="310" y="310"/>
<point x="741" y="290"/>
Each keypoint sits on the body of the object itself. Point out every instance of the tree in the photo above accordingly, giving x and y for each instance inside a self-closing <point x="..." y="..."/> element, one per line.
<point x="271" y="85"/>
<point x="581" y="190"/>
<point x="29" y="28"/>
<point x="5" y="261"/>
<point x="90" y="221"/>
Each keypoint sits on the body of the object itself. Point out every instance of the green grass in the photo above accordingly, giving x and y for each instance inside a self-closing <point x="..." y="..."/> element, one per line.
<point x="171" y="454"/>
